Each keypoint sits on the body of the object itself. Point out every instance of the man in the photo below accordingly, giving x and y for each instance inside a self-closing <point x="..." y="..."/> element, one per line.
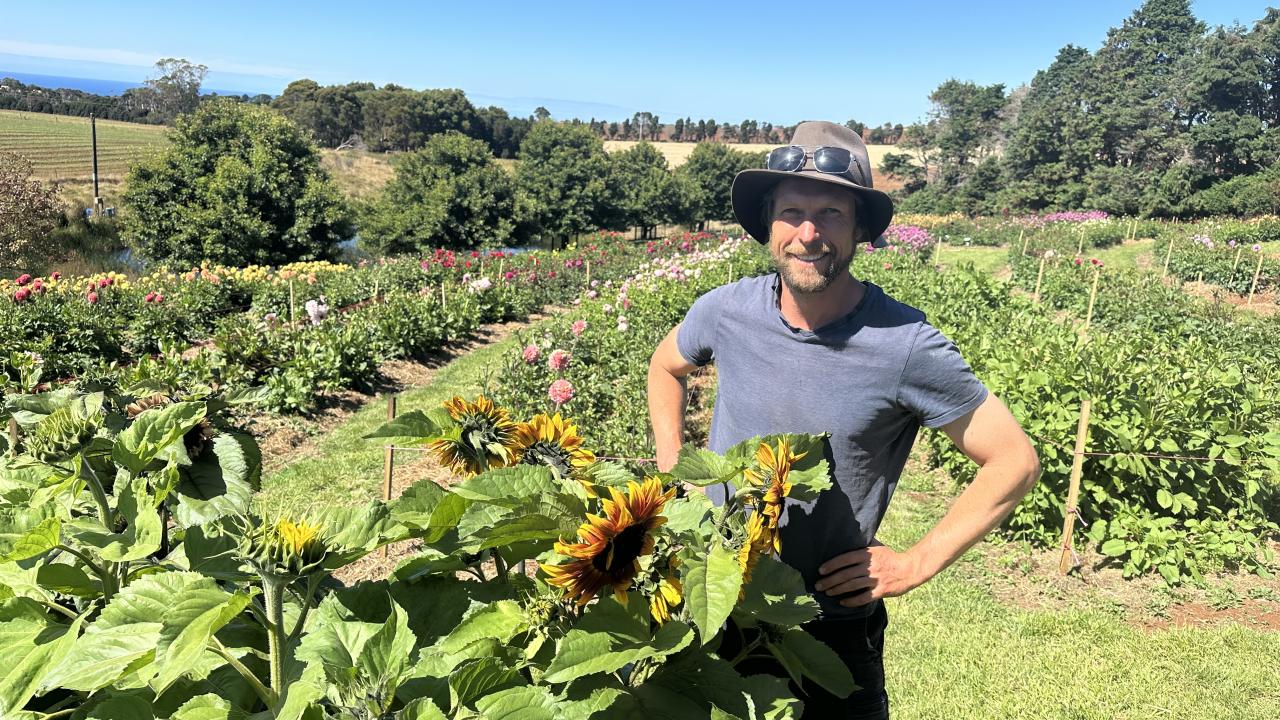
<point x="811" y="349"/>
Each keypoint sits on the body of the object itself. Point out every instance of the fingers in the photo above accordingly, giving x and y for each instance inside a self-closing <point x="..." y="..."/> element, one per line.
<point x="853" y="584"/>
<point x="853" y="557"/>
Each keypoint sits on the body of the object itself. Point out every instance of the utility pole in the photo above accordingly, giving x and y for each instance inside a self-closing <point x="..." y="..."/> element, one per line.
<point x="97" y="197"/>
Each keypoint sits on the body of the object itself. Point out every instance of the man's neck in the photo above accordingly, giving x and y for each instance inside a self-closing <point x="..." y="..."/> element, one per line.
<point x="808" y="311"/>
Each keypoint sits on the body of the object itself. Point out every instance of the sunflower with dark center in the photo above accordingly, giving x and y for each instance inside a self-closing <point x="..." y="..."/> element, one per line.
<point x="486" y="437"/>
<point x="609" y="549"/>
<point x="554" y="442"/>
<point x="772" y="472"/>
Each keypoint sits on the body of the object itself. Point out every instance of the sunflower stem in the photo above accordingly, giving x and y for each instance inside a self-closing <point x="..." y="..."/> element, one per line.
<point x="268" y="697"/>
<point x="273" y="599"/>
<point x="755" y="643"/>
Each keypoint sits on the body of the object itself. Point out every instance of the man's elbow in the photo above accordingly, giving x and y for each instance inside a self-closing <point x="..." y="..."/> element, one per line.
<point x="1030" y="470"/>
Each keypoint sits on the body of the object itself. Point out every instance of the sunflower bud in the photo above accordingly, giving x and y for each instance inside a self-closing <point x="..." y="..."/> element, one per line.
<point x="284" y="549"/>
<point x="61" y="436"/>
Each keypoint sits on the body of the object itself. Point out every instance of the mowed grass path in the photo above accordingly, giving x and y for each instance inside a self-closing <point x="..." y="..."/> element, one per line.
<point x="347" y="469"/>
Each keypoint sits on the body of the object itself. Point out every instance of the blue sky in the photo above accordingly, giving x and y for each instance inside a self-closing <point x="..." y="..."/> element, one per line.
<point x="774" y="62"/>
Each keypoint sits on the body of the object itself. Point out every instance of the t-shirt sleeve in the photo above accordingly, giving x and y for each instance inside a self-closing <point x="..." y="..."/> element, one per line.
<point x="696" y="339"/>
<point x="937" y="385"/>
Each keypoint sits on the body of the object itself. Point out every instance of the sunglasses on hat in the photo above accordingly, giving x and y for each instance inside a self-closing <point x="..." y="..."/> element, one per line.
<point x="830" y="160"/>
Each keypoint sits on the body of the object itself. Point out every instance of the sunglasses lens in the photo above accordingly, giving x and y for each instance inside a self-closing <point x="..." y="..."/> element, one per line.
<point x="788" y="159"/>
<point x="832" y="160"/>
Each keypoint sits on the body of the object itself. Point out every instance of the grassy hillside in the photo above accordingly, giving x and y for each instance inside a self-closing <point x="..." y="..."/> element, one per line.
<point x="60" y="147"/>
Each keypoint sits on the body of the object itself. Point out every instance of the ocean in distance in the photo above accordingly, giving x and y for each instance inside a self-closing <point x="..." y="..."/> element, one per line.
<point x="90" y="85"/>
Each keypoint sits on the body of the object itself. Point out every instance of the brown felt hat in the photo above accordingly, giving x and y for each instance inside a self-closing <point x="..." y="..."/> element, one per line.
<point x="750" y="186"/>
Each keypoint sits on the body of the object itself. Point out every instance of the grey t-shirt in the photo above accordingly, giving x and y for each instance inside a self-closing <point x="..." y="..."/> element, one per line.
<point x="871" y="379"/>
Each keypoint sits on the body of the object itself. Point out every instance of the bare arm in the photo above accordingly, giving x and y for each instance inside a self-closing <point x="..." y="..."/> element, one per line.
<point x="1007" y="469"/>
<point x="667" y="398"/>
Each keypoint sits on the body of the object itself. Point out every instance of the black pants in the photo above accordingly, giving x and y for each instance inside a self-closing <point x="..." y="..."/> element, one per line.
<point x="860" y="644"/>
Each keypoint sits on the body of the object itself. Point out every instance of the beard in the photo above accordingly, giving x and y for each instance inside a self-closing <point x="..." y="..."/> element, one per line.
<point x="806" y="281"/>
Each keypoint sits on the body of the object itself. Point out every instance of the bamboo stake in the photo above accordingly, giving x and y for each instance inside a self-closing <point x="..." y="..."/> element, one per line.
<point x="1237" y="260"/>
<point x="13" y="436"/>
<point x="1039" y="278"/>
<point x="442" y="297"/>
<point x="1093" y="295"/>
<point x="388" y="459"/>
<point x="937" y="255"/>
<point x="1080" y="245"/>
<point x="1065" y="562"/>
<point x="588" y="274"/>
<point x="1257" y="271"/>
<point x="1022" y="238"/>
<point x="1168" y="253"/>
<point x="291" y="302"/>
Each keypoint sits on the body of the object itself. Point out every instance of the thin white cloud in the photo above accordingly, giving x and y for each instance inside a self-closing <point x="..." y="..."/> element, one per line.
<point x="128" y="57"/>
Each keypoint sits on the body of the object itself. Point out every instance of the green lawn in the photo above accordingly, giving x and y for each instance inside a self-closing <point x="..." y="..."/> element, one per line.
<point x="954" y="651"/>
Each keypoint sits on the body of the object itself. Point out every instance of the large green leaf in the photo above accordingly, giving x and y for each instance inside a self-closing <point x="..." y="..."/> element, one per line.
<point x="699" y="466"/>
<point x="519" y="703"/>
<point x="121" y="707"/>
<point x="429" y="510"/>
<point x="501" y="620"/>
<point x="803" y="655"/>
<point x="478" y="677"/>
<point x="776" y="594"/>
<point x="582" y="653"/>
<point x="509" y="487"/>
<point x="124" y="637"/>
<point x="220" y="481"/>
<point x="386" y="654"/>
<point x="687" y="513"/>
<point x="26" y="532"/>
<point x="31" y="649"/>
<point x="210" y="549"/>
<point x="199" y="611"/>
<point x="352" y="532"/>
<point x="140" y="536"/>
<point x="410" y="428"/>
<point x="421" y="709"/>
<point x="68" y="580"/>
<point x="711" y="587"/>
<point x="153" y="432"/>
<point x="208" y="707"/>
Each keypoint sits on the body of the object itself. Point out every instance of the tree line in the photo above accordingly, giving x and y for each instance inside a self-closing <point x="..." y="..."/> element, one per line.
<point x="240" y="183"/>
<point x="1167" y="118"/>
<point x="172" y="91"/>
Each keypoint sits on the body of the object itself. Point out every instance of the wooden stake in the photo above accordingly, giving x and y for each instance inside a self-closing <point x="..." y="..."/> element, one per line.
<point x="13" y="436"/>
<point x="388" y="459"/>
<point x="442" y="298"/>
<point x="1168" y="253"/>
<point x="1080" y="245"/>
<point x="1066" y="562"/>
<point x="1022" y="238"/>
<point x="1039" y="278"/>
<point x="1133" y="229"/>
<point x="1093" y="295"/>
<point x="375" y="291"/>
<point x="1236" y="262"/>
<point x="1257" y="271"/>
<point x="291" y="302"/>
<point x="588" y="274"/>
<point x="937" y="255"/>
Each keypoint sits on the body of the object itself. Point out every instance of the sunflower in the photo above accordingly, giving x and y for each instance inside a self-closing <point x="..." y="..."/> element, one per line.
<point x="667" y="595"/>
<point x="772" y="471"/>
<point x="486" y="437"/>
<point x="760" y="540"/>
<point x="554" y="442"/>
<point x="609" y="548"/>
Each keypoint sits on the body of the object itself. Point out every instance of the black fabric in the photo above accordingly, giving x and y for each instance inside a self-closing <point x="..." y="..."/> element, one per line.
<point x="860" y="644"/>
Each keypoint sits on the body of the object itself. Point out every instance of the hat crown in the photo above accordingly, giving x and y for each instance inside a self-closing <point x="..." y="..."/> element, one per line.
<point x="820" y="133"/>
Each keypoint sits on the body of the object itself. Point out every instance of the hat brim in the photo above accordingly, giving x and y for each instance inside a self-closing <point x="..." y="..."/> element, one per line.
<point x="750" y="186"/>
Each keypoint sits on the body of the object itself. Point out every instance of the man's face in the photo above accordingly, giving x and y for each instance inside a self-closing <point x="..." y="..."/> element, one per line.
<point x="811" y="235"/>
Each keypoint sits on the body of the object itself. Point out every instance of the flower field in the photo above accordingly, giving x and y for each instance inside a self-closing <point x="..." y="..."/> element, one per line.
<point x="136" y="580"/>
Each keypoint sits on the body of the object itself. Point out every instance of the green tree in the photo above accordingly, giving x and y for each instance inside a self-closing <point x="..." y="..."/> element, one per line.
<point x="28" y="213"/>
<point x="449" y="193"/>
<point x="562" y="180"/>
<point x="176" y="86"/>
<point x="710" y="170"/>
<point x="644" y="193"/>
<point x="237" y="184"/>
